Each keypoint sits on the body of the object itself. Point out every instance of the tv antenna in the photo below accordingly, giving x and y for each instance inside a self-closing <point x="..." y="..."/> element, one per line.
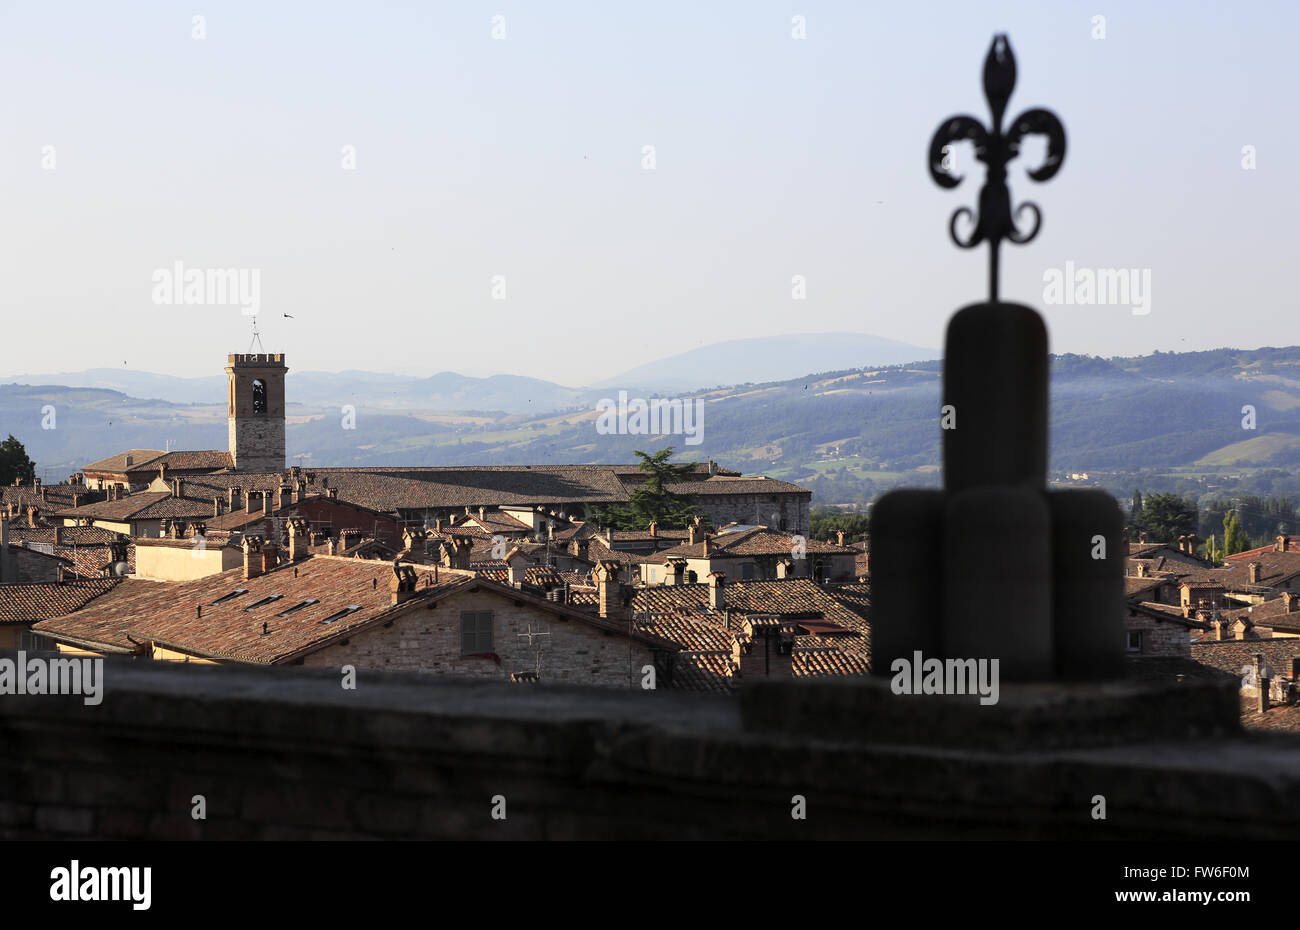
<point x="532" y="638"/>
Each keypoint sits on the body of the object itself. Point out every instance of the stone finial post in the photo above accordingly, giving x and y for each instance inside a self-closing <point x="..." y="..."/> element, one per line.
<point x="995" y="566"/>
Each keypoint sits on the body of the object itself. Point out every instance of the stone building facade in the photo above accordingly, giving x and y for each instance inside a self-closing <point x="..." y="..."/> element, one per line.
<point x="431" y="640"/>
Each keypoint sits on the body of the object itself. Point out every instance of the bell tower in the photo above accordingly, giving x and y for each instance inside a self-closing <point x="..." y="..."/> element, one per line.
<point x="257" y="411"/>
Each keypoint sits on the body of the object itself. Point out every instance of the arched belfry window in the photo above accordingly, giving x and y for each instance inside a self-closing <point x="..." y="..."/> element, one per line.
<point x="259" y="396"/>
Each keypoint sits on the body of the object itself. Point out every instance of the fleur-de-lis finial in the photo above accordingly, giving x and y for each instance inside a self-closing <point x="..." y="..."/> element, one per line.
<point x="996" y="220"/>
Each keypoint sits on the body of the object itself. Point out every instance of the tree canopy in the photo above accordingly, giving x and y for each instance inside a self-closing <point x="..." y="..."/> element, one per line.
<point x="14" y="463"/>
<point x="653" y="501"/>
<point x="1165" y="517"/>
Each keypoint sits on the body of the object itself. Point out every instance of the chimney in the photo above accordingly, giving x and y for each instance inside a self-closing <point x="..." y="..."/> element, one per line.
<point x="713" y="468"/>
<point x="270" y="556"/>
<point x="609" y="537"/>
<point x="412" y="539"/>
<point x="437" y="525"/>
<point x="708" y="547"/>
<point x="654" y="529"/>
<point x="785" y="569"/>
<point x="1142" y="569"/>
<point x="717" y="596"/>
<point x="130" y="460"/>
<point x="332" y="493"/>
<point x="248" y="501"/>
<point x="1124" y="542"/>
<point x="252" y="557"/>
<point x="1252" y="572"/>
<point x="1291" y="601"/>
<point x="402" y="585"/>
<point x="4" y="551"/>
<point x="332" y="545"/>
<point x="1142" y="537"/>
<point x="674" y="571"/>
<point x="690" y="535"/>
<point x="839" y="538"/>
<point x="764" y="652"/>
<point x="514" y="577"/>
<point x="58" y="534"/>
<point x="456" y="551"/>
<point x="299" y="539"/>
<point x="610" y="591"/>
<point x="482" y="513"/>
<point x="1283" y="544"/>
<point x="216" y="507"/>
<point x="286" y="497"/>
<point x="33" y="514"/>
<point x="268" y="501"/>
<point x="234" y="499"/>
<point x="178" y="487"/>
<point x="43" y="497"/>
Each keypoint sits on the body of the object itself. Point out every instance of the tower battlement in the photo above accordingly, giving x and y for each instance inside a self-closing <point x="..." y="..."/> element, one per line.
<point x="256" y="358"/>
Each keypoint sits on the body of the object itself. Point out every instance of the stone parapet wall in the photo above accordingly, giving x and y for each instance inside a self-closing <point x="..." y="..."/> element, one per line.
<point x="281" y="754"/>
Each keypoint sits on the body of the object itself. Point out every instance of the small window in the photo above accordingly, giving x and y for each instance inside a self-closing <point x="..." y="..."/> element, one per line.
<point x="651" y="579"/>
<point x="747" y="572"/>
<point x="269" y="599"/>
<point x="475" y="632"/>
<point x="34" y="642"/>
<point x="352" y="608"/>
<point x="231" y="596"/>
<point x="259" y="396"/>
<point x="299" y="606"/>
<point x="1134" y="643"/>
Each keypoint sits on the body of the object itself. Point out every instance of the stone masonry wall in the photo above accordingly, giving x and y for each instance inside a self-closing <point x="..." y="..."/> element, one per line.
<point x="793" y="509"/>
<point x="1160" y="638"/>
<point x="428" y="640"/>
<point x="257" y="443"/>
<point x="289" y="754"/>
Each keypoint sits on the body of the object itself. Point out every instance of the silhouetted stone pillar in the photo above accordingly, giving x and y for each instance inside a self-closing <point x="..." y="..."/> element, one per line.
<point x="906" y="536"/>
<point x="1088" y="571"/>
<point x="995" y="381"/>
<point x="997" y="580"/>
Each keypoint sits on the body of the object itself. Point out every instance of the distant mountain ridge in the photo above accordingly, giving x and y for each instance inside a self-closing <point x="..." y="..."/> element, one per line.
<point x="850" y="428"/>
<point x="732" y="362"/>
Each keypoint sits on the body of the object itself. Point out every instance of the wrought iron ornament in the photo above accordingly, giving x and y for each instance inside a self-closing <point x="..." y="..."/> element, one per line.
<point x="995" y="220"/>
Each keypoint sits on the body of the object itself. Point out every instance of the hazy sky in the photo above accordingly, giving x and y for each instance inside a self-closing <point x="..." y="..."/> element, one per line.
<point x="130" y="145"/>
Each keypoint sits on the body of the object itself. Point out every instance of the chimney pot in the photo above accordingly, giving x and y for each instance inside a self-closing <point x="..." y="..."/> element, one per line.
<point x="252" y="556"/>
<point x="717" y="595"/>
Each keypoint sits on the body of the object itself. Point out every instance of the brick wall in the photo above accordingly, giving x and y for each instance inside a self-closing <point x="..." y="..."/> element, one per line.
<point x="429" y="640"/>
